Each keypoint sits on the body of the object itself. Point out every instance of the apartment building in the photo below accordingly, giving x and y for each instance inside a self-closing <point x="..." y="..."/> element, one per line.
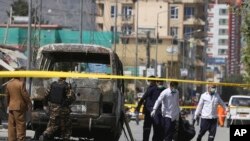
<point x="224" y="39"/>
<point x="234" y="47"/>
<point x="218" y="35"/>
<point x="177" y="24"/>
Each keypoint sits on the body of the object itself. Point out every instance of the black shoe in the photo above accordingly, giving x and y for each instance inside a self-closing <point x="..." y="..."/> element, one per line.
<point x="46" y="137"/>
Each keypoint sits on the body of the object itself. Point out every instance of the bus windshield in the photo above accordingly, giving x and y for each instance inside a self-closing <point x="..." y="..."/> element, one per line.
<point x="84" y="67"/>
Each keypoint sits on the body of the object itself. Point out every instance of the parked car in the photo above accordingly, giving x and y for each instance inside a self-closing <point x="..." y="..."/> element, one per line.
<point x="239" y="110"/>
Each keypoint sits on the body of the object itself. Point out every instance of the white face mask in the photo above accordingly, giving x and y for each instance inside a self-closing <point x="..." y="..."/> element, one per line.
<point x="173" y="91"/>
<point x="213" y="90"/>
<point x="160" y="86"/>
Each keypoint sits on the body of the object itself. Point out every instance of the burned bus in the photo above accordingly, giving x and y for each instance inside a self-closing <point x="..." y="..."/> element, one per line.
<point x="98" y="109"/>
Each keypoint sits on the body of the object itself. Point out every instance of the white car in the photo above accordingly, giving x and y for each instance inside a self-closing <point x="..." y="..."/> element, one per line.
<point x="239" y="110"/>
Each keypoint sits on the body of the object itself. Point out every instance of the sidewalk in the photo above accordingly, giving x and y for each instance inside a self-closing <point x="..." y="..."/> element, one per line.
<point x="4" y="133"/>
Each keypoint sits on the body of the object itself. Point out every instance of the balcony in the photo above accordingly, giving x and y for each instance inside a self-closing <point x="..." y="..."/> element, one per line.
<point x="188" y="1"/>
<point x="100" y="1"/>
<point x="99" y="20"/>
<point x="127" y="19"/>
<point x="193" y="21"/>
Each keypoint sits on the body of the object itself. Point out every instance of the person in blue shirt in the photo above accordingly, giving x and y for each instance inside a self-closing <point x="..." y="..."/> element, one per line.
<point x="148" y="100"/>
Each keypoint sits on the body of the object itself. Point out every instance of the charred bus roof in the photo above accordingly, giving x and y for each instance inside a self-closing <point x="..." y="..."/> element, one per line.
<point x="76" y="52"/>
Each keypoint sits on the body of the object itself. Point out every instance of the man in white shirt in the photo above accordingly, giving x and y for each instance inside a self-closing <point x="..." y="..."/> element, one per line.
<point x="207" y="107"/>
<point x="169" y="98"/>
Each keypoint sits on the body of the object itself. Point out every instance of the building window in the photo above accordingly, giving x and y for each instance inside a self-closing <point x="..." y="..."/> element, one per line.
<point x="142" y="41"/>
<point x="223" y="21"/>
<point x="188" y="30"/>
<point x="223" y="42"/>
<point x="223" y="31"/>
<point x="100" y="26"/>
<point x="127" y="12"/>
<point x="174" y="31"/>
<point x="188" y="12"/>
<point x="112" y="29"/>
<point x="127" y="29"/>
<point x="174" y="12"/>
<point x="222" y="51"/>
<point x="100" y="9"/>
<point x="145" y="30"/>
<point x="223" y="11"/>
<point x="113" y="11"/>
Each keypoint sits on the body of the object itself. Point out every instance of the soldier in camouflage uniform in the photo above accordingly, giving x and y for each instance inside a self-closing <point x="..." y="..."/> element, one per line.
<point x="58" y="98"/>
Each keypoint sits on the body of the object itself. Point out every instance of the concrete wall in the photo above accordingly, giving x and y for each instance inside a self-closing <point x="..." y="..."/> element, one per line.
<point x="63" y="12"/>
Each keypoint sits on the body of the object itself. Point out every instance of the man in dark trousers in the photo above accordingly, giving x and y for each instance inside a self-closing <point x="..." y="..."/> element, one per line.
<point x="158" y="119"/>
<point x="58" y="98"/>
<point x="148" y="100"/>
<point x="169" y="100"/>
<point x="207" y="107"/>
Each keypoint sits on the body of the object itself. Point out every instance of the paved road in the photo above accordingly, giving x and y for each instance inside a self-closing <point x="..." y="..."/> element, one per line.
<point x="221" y="135"/>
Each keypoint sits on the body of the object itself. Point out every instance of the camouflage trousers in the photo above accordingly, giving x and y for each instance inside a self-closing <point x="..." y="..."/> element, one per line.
<point x="59" y="121"/>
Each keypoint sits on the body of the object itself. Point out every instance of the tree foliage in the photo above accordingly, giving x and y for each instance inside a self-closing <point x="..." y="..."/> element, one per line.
<point x="21" y="8"/>
<point x="227" y="91"/>
<point x="245" y="30"/>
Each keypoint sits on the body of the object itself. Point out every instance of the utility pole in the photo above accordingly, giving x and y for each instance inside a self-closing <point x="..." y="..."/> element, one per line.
<point x="29" y="49"/>
<point x="157" y="43"/>
<point x="29" y="36"/>
<point x="136" y="50"/>
<point x="148" y="50"/>
<point x="7" y="29"/>
<point x="81" y="3"/>
<point x="206" y="44"/>
<point x="92" y="38"/>
<point x="183" y="68"/>
<point x="40" y="18"/>
<point x="80" y="38"/>
<point x="115" y="30"/>
<point x="174" y="42"/>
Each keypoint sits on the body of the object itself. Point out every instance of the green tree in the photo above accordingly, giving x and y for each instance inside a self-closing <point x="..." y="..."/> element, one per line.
<point x="228" y="91"/>
<point x="21" y="8"/>
<point x="246" y="35"/>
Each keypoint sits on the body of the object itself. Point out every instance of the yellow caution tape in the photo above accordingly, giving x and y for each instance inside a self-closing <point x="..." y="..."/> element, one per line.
<point x="2" y="95"/>
<point x="188" y="107"/>
<point x="53" y="74"/>
<point x="130" y="105"/>
<point x="235" y="107"/>
<point x="183" y="107"/>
